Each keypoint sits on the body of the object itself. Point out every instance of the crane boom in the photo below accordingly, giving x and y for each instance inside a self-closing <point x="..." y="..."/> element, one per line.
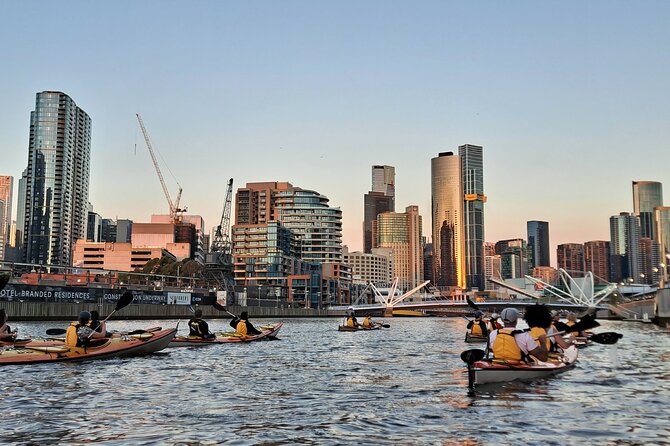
<point x="221" y="242"/>
<point x="173" y="207"/>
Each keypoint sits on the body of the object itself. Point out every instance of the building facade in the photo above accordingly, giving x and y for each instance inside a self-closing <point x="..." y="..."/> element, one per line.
<point x="647" y="195"/>
<point x="625" y="264"/>
<point x="375" y="267"/>
<point x="57" y="179"/>
<point x="570" y="257"/>
<point x="538" y="244"/>
<point x="380" y="199"/>
<point x="6" y="194"/>
<point x="447" y="222"/>
<point x="662" y="223"/>
<point x="472" y="171"/>
<point x="597" y="259"/>
<point x="401" y="234"/>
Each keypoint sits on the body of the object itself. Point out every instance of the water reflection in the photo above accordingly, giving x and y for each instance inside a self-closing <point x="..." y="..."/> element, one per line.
<point x="404" y="385"/>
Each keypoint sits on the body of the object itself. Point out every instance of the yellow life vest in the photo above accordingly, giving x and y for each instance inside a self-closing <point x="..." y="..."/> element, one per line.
<point x="570" y="323"/>
<point x="350" y="322"/>
<point x="505" y="346"/>
<point x="476" y="329"/>
<point x="71" y="337"/>
<point x="367" y="322"/>
<point x="241" y="328"/>
<point x="535" y="332"/>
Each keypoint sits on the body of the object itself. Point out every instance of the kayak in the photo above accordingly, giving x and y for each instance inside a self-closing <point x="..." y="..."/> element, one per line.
<point x="267" y="332"/>
<point x="492" y="371"/>
<point x="469" y="337"/>
<point x="135" y="344"/>
<point x="359" y="328"/>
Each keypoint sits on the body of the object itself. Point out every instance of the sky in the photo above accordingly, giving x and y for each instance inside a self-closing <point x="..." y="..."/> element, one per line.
<point x="570" y="100"/>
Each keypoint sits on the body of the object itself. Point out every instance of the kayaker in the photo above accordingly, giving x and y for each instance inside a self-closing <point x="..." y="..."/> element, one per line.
<point x="477" y="326"/>
<point x="351" y="319"/>
<point x="493" y="323"/>
<point x="197" y="326"/>
<point x="556" y="321"/>
<point x="538" y="318"/>
<point x="78" y="334"/>
<point x="244" y="327"/>
<point x="6" y="333"/>
<point x="511" y="345"/>
<point x="98" y="325"/>
<point x="367" y="322"/>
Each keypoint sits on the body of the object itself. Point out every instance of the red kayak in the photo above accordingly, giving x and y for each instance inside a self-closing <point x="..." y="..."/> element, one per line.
<point x="267" y="332"/>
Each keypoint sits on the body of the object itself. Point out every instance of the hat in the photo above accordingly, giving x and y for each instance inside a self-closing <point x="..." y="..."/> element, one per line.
<point x="554" y="313"/>
<point x="350" y="308"/>
<point x="495" y="315"/>
<point x="478" y="313"/>
<point x="509" y="315"/>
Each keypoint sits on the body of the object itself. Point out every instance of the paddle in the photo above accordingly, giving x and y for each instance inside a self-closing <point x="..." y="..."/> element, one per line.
<point x="385" y="325"/>
<point x="125" y="300"/>
<point x="4" y="279"/>
<point x="470" y="357"/>
<point x="607" y="338"/>
<point x="587" y="322"/>
<point x="220" y="307"/>
<point x="471" y="304"/>
<point x="56" y="331"/>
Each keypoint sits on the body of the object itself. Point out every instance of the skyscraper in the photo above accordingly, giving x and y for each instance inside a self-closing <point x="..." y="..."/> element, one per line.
<point x="57" y="179"/>
<point x="6" y="192"/>
<point x="597" y="259"/>
<point x="624" y="247"/>
<point x="662" y="223"/>
<point x="472" y="170"/>
<point x="380" y="199"/>
<point x="646" y="196"/>
<point x="401" y="232"/>
<point x="538" y="244"/>
<point x="447" y="219"/>
<point x="570" y="257"/>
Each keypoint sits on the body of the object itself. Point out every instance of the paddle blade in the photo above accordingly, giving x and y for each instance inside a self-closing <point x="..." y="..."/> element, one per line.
<point x="219" y="307"/>
<point x="124" y="301"/>
<point x="56" y="331"/>
<point x="471" y="304"/>
<point x="608" y="338"/>
<point x="385" y="325"/>
<point x="473" y="355"/>
<point x="586" y="323"/>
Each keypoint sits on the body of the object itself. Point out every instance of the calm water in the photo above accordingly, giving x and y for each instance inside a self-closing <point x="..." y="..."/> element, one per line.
<point x="403" y="385"/>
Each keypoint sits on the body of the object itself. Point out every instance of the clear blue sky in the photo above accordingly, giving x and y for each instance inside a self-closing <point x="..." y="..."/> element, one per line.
<point x="571" y="100"/>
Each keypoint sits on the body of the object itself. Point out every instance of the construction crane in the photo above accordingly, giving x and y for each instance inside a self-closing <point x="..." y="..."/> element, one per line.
<point x="221" y="242"/>
<point x="175" y="211"/>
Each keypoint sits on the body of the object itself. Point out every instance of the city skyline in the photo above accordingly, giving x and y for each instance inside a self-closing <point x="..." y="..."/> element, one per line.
<point x="318" y="94"/>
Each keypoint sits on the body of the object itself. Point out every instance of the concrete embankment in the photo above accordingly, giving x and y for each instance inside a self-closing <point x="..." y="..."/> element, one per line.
<point x="17" y="311"/>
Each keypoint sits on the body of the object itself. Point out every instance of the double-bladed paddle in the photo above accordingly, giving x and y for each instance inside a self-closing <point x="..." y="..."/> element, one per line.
<point x="4" y="279"/>
<point x="125" y="299"/>
<point x="220" y="307"/>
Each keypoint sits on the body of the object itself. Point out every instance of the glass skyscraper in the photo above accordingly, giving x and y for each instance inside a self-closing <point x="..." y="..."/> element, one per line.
<point x="447" y="220"/>
<point x="57" y="179"/>
<point x="538" y="244"/>
<point x="624" y="247"/>
<point x="472" y="170"/>
<point x="380" y="199"/>
<point x="646" y="196"/>
<point x="401" y="232"/>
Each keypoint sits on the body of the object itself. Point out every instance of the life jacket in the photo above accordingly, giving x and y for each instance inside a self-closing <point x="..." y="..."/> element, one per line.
<point x="194" y="327"/>
<point x="536" y="332"/>
<point x="241" y="328"/>
<point x="570" y="323"/>
<point x="477" y="329"/>
<point x="505" y="346"/>
<point x="71" y="337"/>
<point x="367" y="322"/>
<point x="351" y="321"/>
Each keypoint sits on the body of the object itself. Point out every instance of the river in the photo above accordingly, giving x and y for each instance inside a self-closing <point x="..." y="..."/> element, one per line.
<point x="316" y="386"/>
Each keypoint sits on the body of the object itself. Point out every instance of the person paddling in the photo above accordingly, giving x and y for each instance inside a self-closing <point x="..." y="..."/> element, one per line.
<point x="477" y="326"/>
<point x="197" y="326"/>
<point x="79" y="334"/>
<point x="511" y="345"/>
<point x="6" y="333"/>
<point x="351" y="319"/>
<point x="97" y="325"/>
<point x="367" y="322"/>
<point x="492" y="323"/>
<point x="244" y="327"/>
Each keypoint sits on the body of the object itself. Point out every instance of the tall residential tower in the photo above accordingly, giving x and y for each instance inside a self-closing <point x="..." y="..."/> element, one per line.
<point x="57" y="178"/>
<point x="472" y="170"/>
<point x="380" y="199"/>
<point x="538" y="244"/>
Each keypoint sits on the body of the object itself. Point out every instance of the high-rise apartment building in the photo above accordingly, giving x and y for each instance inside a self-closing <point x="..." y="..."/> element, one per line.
<point x="570" y="257"/>
<point x="375" y="267"/>
<point x="6" y="192"/>
<point x="56" y="179"/>
<point x="514" y="257"/>
<point x="662" y="223"/>
<point x="472" y="171"/>
<point x="492" y="268"/>
<point x="597" y="259"/>
<point x="380" y="199"/>
<point x="646" y="196"/>
<point x="447" y="221"/>
<point x="624" y="247"/>
<point x="538" y="243"/>
<point x="401" y="233"/>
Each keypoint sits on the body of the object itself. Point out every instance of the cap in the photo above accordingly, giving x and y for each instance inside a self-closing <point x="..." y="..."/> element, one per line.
<point x="509" y="315"/>
<point x="495" y="315"/>
<point x="478" y="313"/>
<point x="350" y="308"/>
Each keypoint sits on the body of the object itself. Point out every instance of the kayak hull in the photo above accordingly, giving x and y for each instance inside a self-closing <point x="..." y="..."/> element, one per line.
<point x="267" y="332"/>
<point x="117" y="347"/>
<point x="487" y="371"/>
<point x="347" y="328"/>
